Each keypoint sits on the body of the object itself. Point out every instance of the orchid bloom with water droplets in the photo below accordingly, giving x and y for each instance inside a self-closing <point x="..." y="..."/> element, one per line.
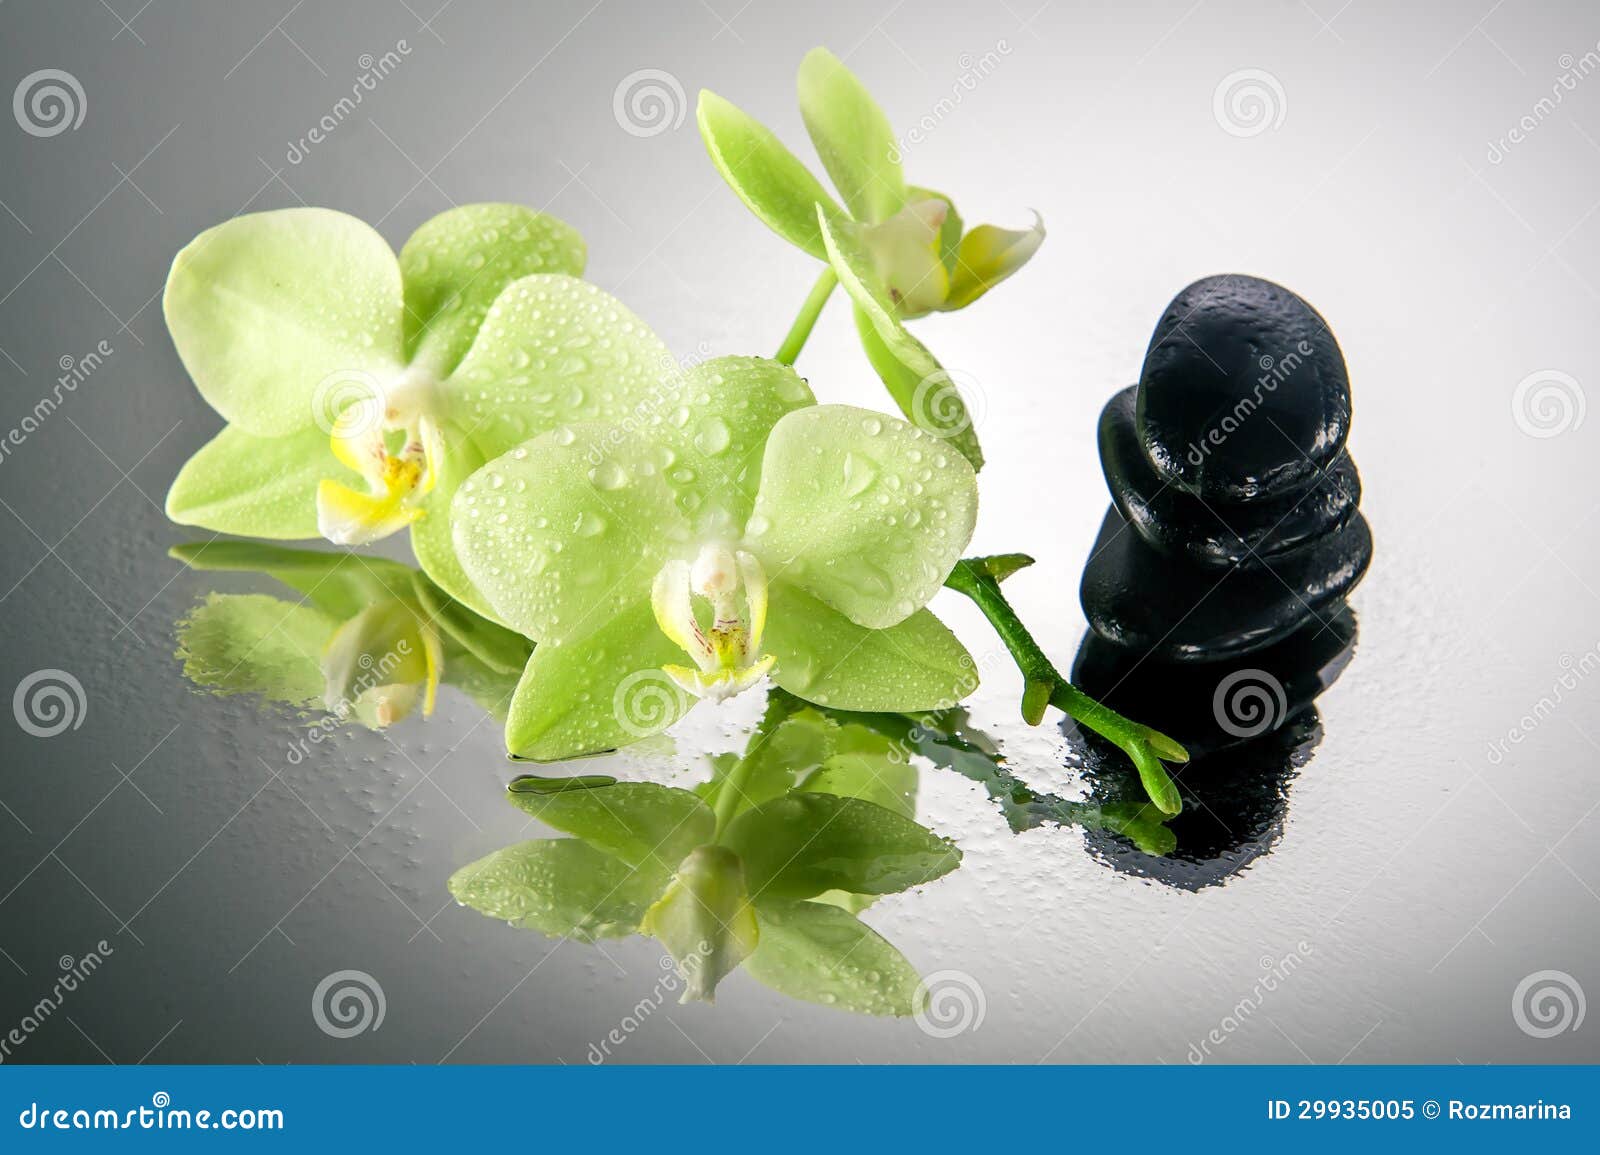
<point x="900" y="251"/>
<point x="360" y="388"/>
<point x="734" y="523"/>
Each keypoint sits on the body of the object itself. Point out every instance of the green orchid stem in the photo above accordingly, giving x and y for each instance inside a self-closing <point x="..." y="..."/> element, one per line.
<point x="1044" y="685"/>
<point x="731" y="796"/>
<point x="806" y="319"/>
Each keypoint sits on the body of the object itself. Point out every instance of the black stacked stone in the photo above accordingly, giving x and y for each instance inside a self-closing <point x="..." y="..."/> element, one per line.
<point x="1234" y="518"/>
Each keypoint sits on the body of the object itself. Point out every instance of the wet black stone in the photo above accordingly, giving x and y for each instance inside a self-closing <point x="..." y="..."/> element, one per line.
<point x="1212" y="532"/>
<point x="1174" y="610"/>
<point x="1213" y="707"/>
<point x="1243" y="761"/>
<point x="1227" y="825"/>
<point x="1244" y="392"/>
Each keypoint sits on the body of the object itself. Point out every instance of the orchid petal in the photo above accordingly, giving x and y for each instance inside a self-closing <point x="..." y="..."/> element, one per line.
<point x="705" y="920"/>
<point x="431" y="538"/>
<point x="561" y="887"/>
<point x="715" y="421"/>
<point x="563" y="533"/>
<point x="768" y="177"/>
<point x="596" y="693"/>
<point x="554" y="350"/>
<point x="852" y="136"/>
<point x="866" y="512"/>
<point x="817" y="952"/>
<point x="907" y="254"/>
<point x="255" y="644"/>
<point x="907" y="369"/>
<point x="278" y="315"/>
<point x="255" y="486"/>
<point x="987" y="256"/>
<point x="348" y="517"/>
<point x="456" y="264"/>
<point x="949" y="231"/>
<point x="648" y="826"/>
<point x="674" y="610"/>
<point x="824" y="657"/>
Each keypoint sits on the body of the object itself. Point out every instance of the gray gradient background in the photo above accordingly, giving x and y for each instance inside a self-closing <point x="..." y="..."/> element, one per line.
<point x="1425" y="880"/>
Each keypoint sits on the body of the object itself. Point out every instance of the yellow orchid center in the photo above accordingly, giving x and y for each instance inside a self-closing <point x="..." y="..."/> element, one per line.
<point x="398" y="476"/>
<point x="726" y="645"/>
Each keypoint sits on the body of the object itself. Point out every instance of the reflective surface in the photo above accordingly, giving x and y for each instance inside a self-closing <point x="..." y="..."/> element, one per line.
<point x="1401" y="858"/>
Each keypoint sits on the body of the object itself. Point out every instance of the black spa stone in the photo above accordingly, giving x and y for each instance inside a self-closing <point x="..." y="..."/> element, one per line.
<point x="1213" y="532"/>
<point x="1180" y="611"/>
<point x="1244" y="392"/>
<point x="1216" y="706"/>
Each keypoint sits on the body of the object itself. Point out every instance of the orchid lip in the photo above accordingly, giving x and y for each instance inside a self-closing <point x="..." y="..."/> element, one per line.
<point x="398" y="479"/>
<point x="727" y="650"/>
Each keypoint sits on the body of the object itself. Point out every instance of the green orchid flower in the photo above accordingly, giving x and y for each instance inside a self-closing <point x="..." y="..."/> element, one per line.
<point x="733" y="530"/>
<point x="361" y="388"/>
<point x="899" y="250"/>
<point x="763" y="867"/>
<point x="369" y="641"/>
